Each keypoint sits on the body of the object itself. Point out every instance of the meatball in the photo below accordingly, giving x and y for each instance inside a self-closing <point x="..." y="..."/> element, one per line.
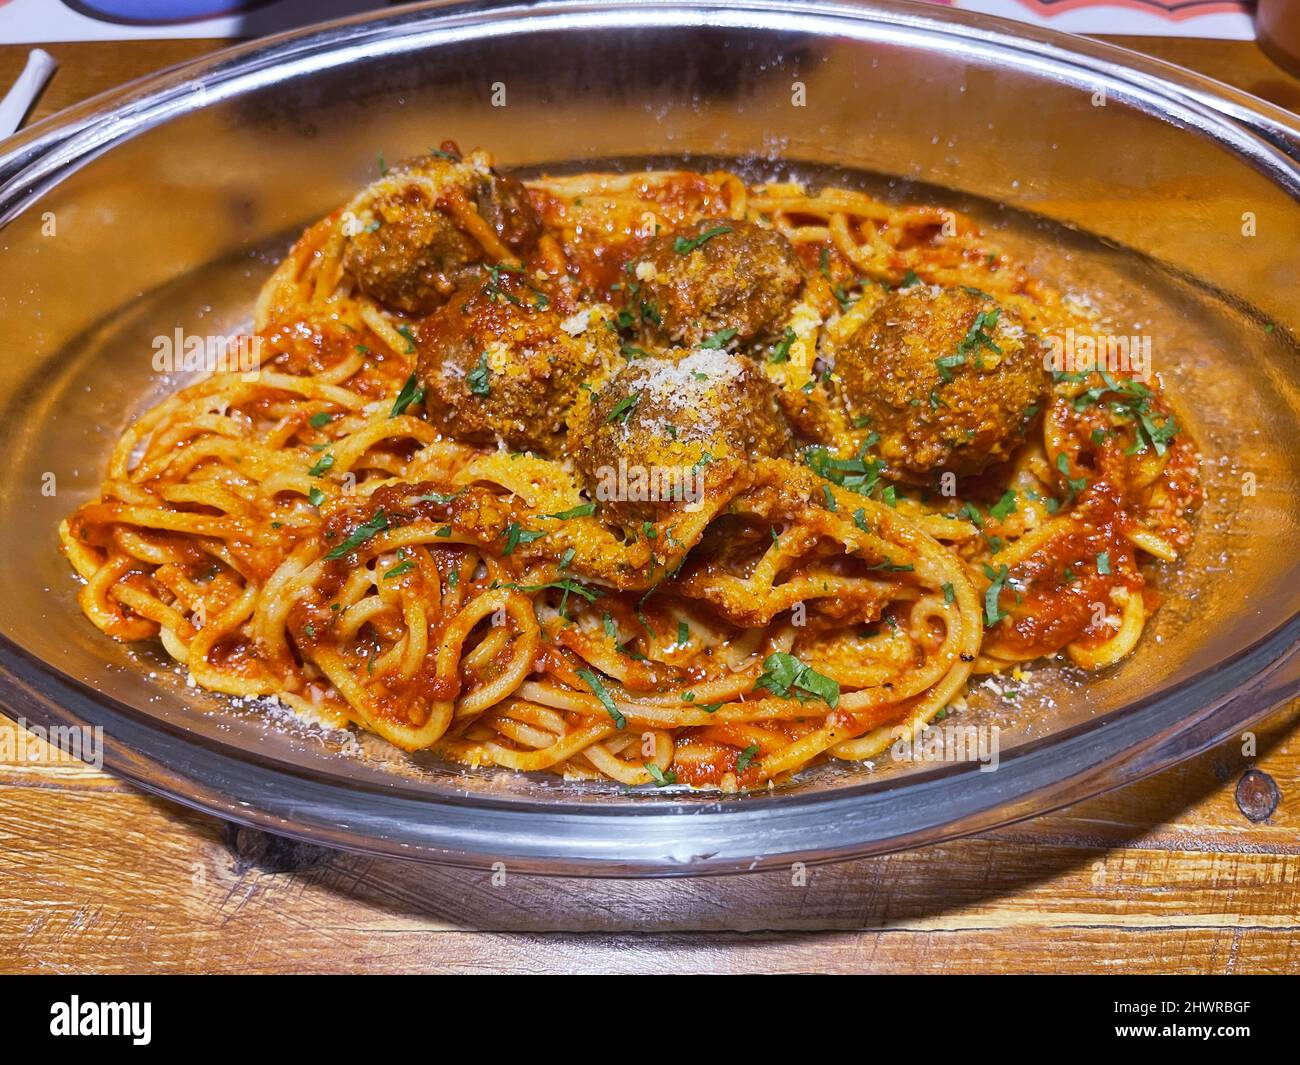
<point x="947" y="378"/>
<point x="653" y="437"/>
<point x="419" y="231"/>
<point x="714" y="276"/>
<point x="502" y="363"/>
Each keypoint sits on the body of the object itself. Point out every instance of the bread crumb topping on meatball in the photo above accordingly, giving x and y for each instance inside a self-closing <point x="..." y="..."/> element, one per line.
<point x="502" y="363"/>
<point x="419" y="231"/>
<point x="948" y="379"/>
<point x="680" y="412"/>
<point x="717" y="278"/>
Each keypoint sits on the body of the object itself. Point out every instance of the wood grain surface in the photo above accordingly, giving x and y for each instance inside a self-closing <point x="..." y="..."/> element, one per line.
<point x="1169" y="875"/>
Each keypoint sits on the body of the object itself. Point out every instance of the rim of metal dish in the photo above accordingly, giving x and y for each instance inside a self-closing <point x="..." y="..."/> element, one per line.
<point x="649" y="836"/>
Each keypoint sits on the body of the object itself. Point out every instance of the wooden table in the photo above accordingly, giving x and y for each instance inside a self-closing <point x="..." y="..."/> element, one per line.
<point x="1168" y="875"/>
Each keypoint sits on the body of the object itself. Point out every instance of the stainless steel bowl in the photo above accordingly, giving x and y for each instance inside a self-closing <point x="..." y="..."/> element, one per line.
<point x="164" y="204"/>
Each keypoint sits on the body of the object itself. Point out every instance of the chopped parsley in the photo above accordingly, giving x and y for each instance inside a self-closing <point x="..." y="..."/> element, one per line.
<point x="977" y="338"/>
<point x="718" y="339"/>
<point x="566" y="586"/>
<point x="824" y="266"/>
<point x="1074" y="485"/>
<point x="323" y="464"/>
<point x="516" y="534"/>
<point x="623" y="409"/>
<point x="478" y="378"/>
<point x="661" y="779"/>
<point x="321" y="419"/>
<point x="598" y="690"/>
<point x="1153" y="429"/>
<point x="1004" y="506"/>
<point x="399" y="569"/>
<point x="582" y="510"/>
<point x="315" y="497"/>
<point x="746" y="756"/>
<point x="858" y="474"/>
<point x="947" y="363"/>
<point x="359" y="535"/>
<point x="411" y="393"/>
<point x="781" y="353"/>
<point x="992" y="612"/>
<point x="437" y="497"/>
<point x="890" y="566"/>
<point x="493" y="287"/>
<point x="786" y="677"/>
<point x="686" y="245"/>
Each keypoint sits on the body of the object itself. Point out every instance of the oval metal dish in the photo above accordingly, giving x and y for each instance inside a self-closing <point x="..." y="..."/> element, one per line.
<point x="1117" y="175"/>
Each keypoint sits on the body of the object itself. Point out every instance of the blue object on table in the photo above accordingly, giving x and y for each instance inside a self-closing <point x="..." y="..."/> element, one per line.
<point x="160" y="12"/>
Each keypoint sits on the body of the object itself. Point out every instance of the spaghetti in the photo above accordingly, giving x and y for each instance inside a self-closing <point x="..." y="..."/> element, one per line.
<point x="318" y="532"/>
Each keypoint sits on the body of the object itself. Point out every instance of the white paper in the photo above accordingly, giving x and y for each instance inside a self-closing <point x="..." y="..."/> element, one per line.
<point x="1155" y="18"/>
